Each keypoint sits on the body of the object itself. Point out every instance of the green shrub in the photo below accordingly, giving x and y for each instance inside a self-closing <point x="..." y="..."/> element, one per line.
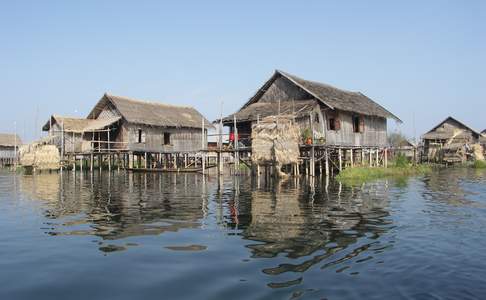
<point x="479" y="164"/>
<point x="400" y="161"/>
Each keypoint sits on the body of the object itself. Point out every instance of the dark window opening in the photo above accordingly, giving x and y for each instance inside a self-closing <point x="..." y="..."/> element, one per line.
<point x="166" y="138"/>
<point x="316" y="118"/>
<point x="332" y="124"/>
<point x="140" y="135"/>
<point x="358" y="124"/>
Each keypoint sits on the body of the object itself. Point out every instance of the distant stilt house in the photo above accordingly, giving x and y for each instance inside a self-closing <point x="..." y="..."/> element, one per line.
<point x="334" y="116"/>
<point x="9" y="145"/>
<point x="449" y="141"/>
<point x="482" y="138"/>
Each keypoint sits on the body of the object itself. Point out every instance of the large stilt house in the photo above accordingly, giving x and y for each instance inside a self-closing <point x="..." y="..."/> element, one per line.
<point x="334" y="116"/>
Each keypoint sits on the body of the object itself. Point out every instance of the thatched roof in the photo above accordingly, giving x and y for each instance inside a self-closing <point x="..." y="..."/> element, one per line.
<point x="433" y="135"/>
<point x="151" y="113"/>
<point x="9" y="140"/>
<point x="330" y="96"/>
<point x="79" y="125"/>
<point x="264" y="109"/>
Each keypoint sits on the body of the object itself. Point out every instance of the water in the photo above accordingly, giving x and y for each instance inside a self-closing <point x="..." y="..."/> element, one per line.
<point x="151" y="236"/>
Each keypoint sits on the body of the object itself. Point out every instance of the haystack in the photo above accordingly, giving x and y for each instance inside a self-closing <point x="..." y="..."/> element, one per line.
<point x="275" y="140"/>
<point x="477" y="150"/>
<point x="40" y="156"/>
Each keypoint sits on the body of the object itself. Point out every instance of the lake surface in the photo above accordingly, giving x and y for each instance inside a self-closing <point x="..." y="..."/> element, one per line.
<point x="171" y="236"/>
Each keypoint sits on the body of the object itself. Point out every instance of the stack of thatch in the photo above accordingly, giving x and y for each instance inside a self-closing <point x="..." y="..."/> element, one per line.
<point x="275" y="139"/>
<point x="40" y="156"/>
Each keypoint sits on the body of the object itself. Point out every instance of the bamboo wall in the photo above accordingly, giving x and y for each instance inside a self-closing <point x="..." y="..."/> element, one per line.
<point x="181" y="139"/>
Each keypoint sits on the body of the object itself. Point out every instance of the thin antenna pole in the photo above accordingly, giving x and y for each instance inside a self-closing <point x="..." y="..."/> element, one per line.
<point x="15" y="146"/>
<point x="221" y="128"/>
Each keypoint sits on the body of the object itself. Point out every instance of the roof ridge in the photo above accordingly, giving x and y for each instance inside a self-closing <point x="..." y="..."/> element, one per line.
<point x="151" y="102"/>
<point x="318" y="82"/>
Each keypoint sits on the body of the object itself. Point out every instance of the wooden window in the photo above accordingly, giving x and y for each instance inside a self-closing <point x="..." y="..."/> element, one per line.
<point x="166" y="138"/>
<point x="334" y="124"/>
<point x="140" y="136"/>
<point x="316" y="118"/>
<point x="358" y="124"/>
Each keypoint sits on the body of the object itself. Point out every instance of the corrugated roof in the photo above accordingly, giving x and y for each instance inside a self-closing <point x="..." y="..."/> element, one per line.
<point x="151" y="113"/>
<point x="331" y="96"/>
<point x="9" y="139"/>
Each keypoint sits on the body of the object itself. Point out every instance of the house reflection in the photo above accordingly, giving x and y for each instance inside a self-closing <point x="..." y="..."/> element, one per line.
<point x="299" y="222"/>
<point x="117" y="206"/>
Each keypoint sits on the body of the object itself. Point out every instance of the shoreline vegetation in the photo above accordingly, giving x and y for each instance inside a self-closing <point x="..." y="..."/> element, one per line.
<point x="398" y="167"/>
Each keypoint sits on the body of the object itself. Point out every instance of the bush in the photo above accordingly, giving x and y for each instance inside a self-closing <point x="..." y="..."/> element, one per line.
<point x="400" y="161"/>
<point x="479" y="164"/>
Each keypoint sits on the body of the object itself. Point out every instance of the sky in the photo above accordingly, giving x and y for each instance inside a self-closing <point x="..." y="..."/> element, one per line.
<point x="422" y="60"/>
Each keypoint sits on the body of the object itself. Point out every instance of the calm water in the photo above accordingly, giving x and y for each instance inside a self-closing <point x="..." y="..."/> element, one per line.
<point x="151" y="236"/>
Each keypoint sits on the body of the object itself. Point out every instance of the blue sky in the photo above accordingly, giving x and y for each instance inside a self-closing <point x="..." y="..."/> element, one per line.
<point x="422" y="60"/>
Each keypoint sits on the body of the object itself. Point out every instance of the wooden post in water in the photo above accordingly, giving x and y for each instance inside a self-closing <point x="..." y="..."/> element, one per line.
<point x="327" y="163"/>
<point x="109" y="152"/>
<point x="312" y="162"/>
<point x="377" y="157"/>
<point x="371" y="160"/>
<point x="386" y="158"/>
<point x="340" y="160"/>
<point x="352" y="158"/>
<point x="237" y="154"/>
<point x="203" y="148"/>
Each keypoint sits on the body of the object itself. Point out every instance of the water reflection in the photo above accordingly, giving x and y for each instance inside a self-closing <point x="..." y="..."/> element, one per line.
<point x="280" y="238"/>
<point x="118" y="206"/>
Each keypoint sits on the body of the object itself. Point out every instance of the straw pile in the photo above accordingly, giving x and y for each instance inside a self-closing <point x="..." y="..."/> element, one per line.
<point x="39" y="156"/>
<point x="275" y="143"/>
<point x="477" y="151"/>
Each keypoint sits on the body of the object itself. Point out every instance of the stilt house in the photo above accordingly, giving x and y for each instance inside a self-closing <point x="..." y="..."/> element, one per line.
<point x="122" y="124"/>
<point x="137" y="125"/>
<point x="9" y="144"/>
<point x="333" y="116"/>
<point x="449" y="136"/>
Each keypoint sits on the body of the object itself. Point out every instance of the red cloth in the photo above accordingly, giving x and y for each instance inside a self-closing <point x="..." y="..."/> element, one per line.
<point x="232" y="136"/>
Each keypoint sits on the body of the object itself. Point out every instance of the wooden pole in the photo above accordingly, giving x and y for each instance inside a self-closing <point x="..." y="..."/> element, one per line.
<point x="327" y="163"/>
<point x="352" y="158"/>
<point x="109" y="152"/>
<point x="145" y="160"/>
<point x="371" y="160"/>
<point x="340" y="159"/>
<point x="386" y="158"/>
<point x="15" y="147"/>
<point x="237" y="155"/>
<point x="377" y="157"/>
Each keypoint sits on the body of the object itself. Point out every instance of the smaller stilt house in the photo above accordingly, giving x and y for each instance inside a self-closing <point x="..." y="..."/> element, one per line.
<point x="9" y="145"/>
<point x="449" y="141"/>
<point x="482" y="138"/>
<point x="141" y="126"/>
<point x="76" y="135"/>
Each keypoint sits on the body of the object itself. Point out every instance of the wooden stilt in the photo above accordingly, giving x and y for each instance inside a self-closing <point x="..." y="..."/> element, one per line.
<point x="385" y="158"/>
<point x="340" y="159"/>
<point x="327" y="163"/>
